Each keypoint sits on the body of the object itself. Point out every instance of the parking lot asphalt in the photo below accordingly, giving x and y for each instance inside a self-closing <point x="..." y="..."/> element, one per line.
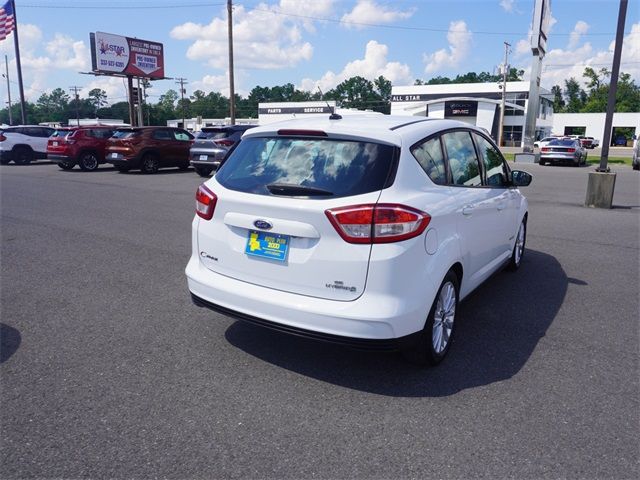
<point x="108" y="370"/>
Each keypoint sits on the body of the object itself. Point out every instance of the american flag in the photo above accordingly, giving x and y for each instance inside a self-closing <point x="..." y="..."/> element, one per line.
<point x="7" y="22"/>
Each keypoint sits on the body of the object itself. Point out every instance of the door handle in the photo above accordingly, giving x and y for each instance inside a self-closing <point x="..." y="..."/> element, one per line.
<point x="467" y="210"/>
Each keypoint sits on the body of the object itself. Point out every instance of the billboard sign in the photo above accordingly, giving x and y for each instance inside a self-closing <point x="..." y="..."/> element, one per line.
<point x="118" y="55"/>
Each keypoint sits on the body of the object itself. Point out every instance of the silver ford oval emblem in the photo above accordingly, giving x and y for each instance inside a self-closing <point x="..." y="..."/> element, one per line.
<point x="262" y="225"/>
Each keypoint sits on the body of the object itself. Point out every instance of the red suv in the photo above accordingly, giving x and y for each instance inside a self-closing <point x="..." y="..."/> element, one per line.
<point x="83" y="146"/>
<point x="149" y="148"/>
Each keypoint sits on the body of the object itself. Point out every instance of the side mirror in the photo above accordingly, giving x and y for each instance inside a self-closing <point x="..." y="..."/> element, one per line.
<point x="520" y="178"/>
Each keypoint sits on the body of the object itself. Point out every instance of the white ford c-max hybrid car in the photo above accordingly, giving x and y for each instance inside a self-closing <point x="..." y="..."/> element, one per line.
<point x="365" y="230"/>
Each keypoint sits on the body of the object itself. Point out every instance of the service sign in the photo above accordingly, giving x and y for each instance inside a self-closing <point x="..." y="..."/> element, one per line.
<point x="126" y="56"/>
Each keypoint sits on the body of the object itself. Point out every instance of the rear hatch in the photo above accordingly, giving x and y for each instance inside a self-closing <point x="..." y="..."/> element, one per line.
<point x="269" y="226"/>
<point x="122" y="142"/>
<point x="59" y="141"/>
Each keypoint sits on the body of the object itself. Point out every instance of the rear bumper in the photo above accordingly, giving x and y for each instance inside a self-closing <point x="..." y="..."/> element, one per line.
<point x="352" y="342"/>
<point x="122" y="161"/>
<point x="370" y="319"/>
<point x="54" y="157"/>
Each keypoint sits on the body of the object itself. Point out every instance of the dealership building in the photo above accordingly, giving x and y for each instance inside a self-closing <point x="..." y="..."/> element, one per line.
<point x="477" y="104"/>
<point x="592" y="125"/>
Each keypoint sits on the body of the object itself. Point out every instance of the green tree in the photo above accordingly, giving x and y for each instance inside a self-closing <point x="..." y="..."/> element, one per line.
<point x="358" y="92"/>
<point x="97" y="98"/>
<point x="574" y="94"/>
<point x="558" y="100"/>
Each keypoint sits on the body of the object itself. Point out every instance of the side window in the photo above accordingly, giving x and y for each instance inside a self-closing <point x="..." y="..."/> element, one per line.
<point x="463" y="162"/>
<point x="493" y="162"/>
<point x="182" y="136"/>
<point x="162" y="135"/>
<point x="429" y="156"/>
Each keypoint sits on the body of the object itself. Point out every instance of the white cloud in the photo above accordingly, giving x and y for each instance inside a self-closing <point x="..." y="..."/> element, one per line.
<point x="459" y="38"/>
<point x="65" y="52"/>
<point x="115" y="88"/>
<point x="262" y="40"/>
<point x="508" y="5"/>
<point x="560" y="64"/>
<point x="580" y="29"/>
<point x="374" y="64"/>
<point x="369" y="12"/>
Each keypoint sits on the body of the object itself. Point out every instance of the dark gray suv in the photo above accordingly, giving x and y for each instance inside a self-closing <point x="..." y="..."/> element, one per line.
<point x="211" y="146"/>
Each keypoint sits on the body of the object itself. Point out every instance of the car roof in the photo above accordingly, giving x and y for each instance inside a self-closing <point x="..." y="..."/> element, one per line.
<point x="385" y="128"/>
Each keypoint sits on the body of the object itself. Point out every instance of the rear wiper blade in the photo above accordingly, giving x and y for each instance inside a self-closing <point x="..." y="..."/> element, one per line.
<point x="296" y="190"/>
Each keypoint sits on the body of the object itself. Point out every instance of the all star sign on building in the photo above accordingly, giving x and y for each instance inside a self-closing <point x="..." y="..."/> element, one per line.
<point x="117" y="55"/>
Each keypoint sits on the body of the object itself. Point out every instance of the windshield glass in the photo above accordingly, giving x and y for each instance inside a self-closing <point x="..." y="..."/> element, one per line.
<point x="563" y="143"/>
<point x="125" y="133"/>
<point x="339" y="167"/>
<point x="211" y="135"/>
<point x="61" y="132"/>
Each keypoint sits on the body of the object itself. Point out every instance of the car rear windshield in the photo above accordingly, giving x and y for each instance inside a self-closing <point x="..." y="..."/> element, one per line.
<point x="212" y="134"/>
<point x="307" y="167"/>
<point x="61" y="133"/>
<point x="125" y="133"/>
<point x="563" y="143"/>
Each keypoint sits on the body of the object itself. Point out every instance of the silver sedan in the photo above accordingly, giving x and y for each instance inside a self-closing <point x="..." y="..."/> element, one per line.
<point x="567" y="150"/>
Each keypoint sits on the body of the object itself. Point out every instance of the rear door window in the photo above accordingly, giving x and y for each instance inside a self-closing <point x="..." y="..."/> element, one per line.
<point x="162" y="135"/>
<point x="181" y="135"/>
<point x="463" y="161"/>
<point x="337" y="168"/>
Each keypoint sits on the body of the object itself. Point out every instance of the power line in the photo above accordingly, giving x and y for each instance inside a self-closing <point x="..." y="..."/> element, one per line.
<point x="110" y="6"/>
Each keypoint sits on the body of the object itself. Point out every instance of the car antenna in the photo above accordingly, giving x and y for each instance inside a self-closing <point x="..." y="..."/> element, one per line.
<point x="334" y="115"/>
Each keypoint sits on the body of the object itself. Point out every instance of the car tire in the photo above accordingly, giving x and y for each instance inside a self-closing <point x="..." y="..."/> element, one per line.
<point x="541" y="162"/>
<point x="66" y="165"/>
<point x="636" y="166"/>
<point x="518" y="248"/>
<point x="88" y="162"/>
<point x="183" y="166"/>
<point x="4" y="161"/>
<point x="22" y="155"/>
<point x="204" y="171"/>
<point x="149" y="164"/>
<point x="434" y="341"/>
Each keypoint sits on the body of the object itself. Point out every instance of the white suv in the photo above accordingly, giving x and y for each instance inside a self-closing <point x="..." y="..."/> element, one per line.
<point x="365" y="230"/>
<point x="23" y="144"/>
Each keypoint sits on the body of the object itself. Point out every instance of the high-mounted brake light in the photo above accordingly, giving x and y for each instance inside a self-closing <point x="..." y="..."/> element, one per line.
<point x="205" y="202"/>
<point x="378" y="223"/>
<point x="301" y="133"/>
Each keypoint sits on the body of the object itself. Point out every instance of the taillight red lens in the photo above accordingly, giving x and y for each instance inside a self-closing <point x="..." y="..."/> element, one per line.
<point x="545" y="149"/>
<point x="381" y="223"/>
<point x="2" y="138"/>
<point x="205" y="202"/>
<point x="571" y="150"/>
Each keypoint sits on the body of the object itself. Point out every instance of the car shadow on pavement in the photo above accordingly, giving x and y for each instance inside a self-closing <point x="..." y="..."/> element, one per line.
<point x="10" y="340"/>
<point x="499" y="327"/>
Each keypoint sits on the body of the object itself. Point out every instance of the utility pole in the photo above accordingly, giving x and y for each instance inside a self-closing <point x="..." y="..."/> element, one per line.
<point x="182" y="82"/>
<point x="232" y="92"/>
<point x="6" y="64"/>
<point x="613" y="87"/>
<point x="140" y="118"/>
<point x="77" y="99"/>
<point x="505" y="69"/>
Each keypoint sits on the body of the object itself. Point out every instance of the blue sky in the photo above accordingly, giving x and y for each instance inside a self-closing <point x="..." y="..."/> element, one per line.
<point x="313" y="43"/>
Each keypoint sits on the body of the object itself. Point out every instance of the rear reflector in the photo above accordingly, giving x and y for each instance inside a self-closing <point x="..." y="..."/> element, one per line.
<point x="205" y="202"/>
<point x="302" y="133"/>
<point x="381" y="223"/>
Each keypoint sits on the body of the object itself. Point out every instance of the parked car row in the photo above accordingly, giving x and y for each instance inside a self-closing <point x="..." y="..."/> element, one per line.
<point x="127" y="148"/>
<point x="586" y="142"/>
<point x="564" y="150"/>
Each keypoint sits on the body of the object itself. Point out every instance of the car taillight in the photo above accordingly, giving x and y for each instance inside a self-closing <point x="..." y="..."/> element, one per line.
<point x="224" y="142"/>
<point x="571" y="150"/>
<point x="545" y="149"/>
<point x="381" y="223"/>
<point x="2" y="138"/>
<point x="205" y="202"/>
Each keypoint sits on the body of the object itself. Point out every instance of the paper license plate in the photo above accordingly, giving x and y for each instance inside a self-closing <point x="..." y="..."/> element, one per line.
<point x="114" y="155"/>
<point x="203" y="157"/>
<point x="55" y="144"/>
<point x="267" y="245"/>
